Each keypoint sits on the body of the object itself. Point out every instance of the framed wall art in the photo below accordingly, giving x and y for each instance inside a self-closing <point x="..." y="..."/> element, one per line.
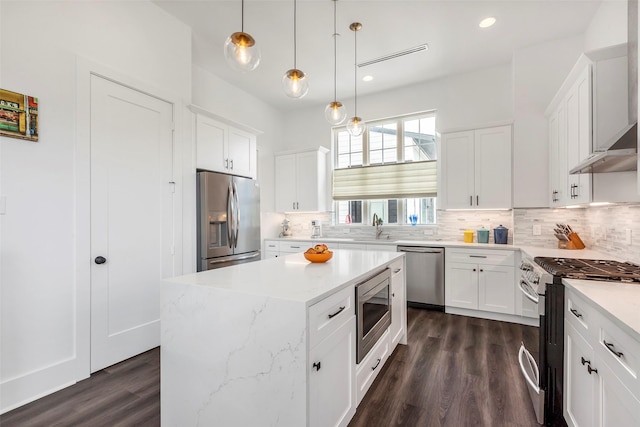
<point x="18" y="115"/>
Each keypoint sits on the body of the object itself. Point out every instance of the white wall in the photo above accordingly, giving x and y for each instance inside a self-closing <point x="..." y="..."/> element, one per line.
<point x="462" y="101"/>
<point x="608" y="26"/>
<point x="40" y="351"/>
<point x="538" y="73"/>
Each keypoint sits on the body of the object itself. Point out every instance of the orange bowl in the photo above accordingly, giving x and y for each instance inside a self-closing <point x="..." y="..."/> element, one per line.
<point x="318" y="257"/>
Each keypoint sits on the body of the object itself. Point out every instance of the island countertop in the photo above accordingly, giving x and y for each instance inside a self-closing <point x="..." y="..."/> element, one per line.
<point x="292" y="277"/>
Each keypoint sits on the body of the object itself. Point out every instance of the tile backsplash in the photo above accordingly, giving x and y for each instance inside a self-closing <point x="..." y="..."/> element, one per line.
<point x="603" y="228"/>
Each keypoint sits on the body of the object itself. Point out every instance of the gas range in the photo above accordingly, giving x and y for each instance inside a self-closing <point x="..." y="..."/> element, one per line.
<point x="590" y="269"/>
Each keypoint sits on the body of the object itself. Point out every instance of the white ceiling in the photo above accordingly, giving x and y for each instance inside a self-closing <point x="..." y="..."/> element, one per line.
<point x="450" y="27"/>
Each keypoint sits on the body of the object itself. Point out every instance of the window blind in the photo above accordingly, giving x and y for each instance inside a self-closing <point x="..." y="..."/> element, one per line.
<point x="398" y="180"/>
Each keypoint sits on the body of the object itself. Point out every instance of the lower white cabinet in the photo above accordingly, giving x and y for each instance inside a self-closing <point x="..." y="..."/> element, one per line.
<point x="398" y="329"/>
<point x="369" y="368"/>
<point x="480" y="280"/>
<point x="601" y="383"/>
<point x="332" y="395"/>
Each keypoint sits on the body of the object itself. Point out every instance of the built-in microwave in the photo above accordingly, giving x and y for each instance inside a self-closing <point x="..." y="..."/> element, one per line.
<point x="373" y="311"/>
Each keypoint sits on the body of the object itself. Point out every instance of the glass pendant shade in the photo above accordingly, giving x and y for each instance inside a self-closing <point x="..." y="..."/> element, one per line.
<point x="295" y="83"/>
<point x="355" y="126"/>
<point x="241" y="52"/>
<point x="335" y="113"/>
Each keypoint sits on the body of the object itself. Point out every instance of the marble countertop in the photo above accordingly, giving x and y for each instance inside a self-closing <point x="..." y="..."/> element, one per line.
<point x="292" y="277"/>
<point x="620" y="302"/>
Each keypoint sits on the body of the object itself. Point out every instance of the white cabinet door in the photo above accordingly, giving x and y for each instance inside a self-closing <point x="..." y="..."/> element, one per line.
<point x="398" y="304"/>
<point x="307" y="181"/>
<point x="242" y="153"/>
<point x="211" y="137"/>
<point x="458" y="169"/>
<point x="558" y="173"/>
<point x="461" y="285"/>
<point x="496" y="289"/>
<point x="580" y="386"/>
<point x="578" y="131"/>
<point x="332" y="378"/>
<point x="617" y="406"/>
<point x="492" y="151"/>
<point x="286" y="183"/>
<point x="301" y="181"/>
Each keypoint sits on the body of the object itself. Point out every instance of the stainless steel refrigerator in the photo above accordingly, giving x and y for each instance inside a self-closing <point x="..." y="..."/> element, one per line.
<point x="228" y="220"/>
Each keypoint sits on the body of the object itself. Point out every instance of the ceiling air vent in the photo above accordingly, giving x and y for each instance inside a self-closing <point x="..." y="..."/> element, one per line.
<point x="395" y="55"/>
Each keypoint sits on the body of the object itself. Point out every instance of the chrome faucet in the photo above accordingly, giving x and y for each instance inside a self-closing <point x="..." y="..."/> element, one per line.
<point x="377" y="223"/>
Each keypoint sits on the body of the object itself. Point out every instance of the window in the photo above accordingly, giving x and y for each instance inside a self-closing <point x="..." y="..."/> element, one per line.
<point x="390" y="171"/>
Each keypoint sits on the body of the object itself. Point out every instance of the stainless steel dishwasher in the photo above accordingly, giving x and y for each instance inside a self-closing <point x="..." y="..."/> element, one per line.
<point x="425" y="276"/>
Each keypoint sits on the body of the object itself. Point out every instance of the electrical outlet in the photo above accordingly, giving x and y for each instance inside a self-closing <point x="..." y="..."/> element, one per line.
<point x="627" y="236"/>
<point x="537" y="230"/>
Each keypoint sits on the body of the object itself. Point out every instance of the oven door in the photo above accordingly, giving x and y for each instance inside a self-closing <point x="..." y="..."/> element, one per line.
<point x="373" y="311"/>
<point x="529" y="354"/>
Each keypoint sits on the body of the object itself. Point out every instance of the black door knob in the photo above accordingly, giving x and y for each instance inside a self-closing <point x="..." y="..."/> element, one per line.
<point x="100" y="260"/>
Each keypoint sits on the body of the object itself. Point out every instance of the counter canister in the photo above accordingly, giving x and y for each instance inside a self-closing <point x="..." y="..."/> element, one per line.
<point x="500" y="235"/>
<point x="468" y="236"/>
<point x="483" y="235"/>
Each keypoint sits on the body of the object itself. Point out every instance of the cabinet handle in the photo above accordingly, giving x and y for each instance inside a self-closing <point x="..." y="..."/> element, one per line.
<point x="477" y="200"/>
<point x="231" y="164"/>
<point x="474" y="269"/>
<point x="575" y="312"/>
<point x="373" y="368"/>
<point x="590" y="369"/>
<point x="331" y="316"/>
<point x="481" y="270"/>
<point x="294" y="205"/>
<point x="226" y="163"/>
<point x="612" y="348"/>
<point x="297" y="205"/>
<point x="393" y="295"/>
<point x="584" y="361"/>
<point x="397" y="270"/>
<point x="477" y="256"/>
<point x="470" y="200"/>
<point x="316" y="365"/>
<point x="294" y="247"/>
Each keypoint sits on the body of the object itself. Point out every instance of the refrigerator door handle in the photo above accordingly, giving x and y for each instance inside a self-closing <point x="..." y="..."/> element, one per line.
<point x="236" y="215"/>
<point x="230" y="216"/>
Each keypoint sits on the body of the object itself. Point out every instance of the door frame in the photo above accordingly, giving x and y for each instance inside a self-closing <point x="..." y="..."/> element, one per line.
<point x="84" y="70"/>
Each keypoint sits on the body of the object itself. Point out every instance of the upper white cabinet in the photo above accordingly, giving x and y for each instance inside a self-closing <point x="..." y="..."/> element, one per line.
<point x="570" y="142"/>
<point x="477" y="169"/>
<point x="587" y="111"/>
<point x="223" y="148"/>
<point x="301" y="181"/>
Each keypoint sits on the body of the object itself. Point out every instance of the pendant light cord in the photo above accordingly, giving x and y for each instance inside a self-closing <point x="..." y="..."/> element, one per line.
<point x="294" y="35"/>
<point x="242" y="24"/>
<point x="355" y="71"/>
<point x="335" y="54"/>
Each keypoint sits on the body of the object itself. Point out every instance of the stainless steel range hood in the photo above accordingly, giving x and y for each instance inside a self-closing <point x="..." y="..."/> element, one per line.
<point x="622" y="152"/>
<point x="621" y="156"/>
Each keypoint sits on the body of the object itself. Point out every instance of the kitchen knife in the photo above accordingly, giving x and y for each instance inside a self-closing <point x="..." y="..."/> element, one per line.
<point x="562" y="237"/>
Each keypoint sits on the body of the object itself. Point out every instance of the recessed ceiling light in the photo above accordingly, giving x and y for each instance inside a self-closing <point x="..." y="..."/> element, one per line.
<point x="367" y="78"/>
<point x="487" y="22"/>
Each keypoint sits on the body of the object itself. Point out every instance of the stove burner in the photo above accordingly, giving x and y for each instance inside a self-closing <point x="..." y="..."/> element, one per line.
<point x="590" y="269"/>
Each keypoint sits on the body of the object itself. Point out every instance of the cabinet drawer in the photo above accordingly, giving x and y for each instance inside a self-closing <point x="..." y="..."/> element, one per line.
<point x="293" y="247"/>
<point x="582" y="316"/>
<point x="371" y="365"/>
<point x="271" y="245"/>
<point x="328" y="315"/>
<point x="481" y="256"/>
<point x="621" y="353"/>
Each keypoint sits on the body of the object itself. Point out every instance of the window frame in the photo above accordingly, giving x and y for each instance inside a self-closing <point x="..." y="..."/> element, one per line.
<point x="400" y="158"/>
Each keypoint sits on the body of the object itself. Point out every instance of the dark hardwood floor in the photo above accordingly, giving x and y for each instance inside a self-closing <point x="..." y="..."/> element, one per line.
<point x="456" y="371"/>
<point x="125" y="394"/>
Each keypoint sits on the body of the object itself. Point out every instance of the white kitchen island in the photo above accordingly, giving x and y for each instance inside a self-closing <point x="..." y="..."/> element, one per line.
<point x="243" y="345"/>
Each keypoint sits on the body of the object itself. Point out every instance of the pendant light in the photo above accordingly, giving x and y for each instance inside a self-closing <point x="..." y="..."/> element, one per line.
<point x="335" y="112"/>
<point x="240" y="50"/>
<point x="295" y="81"/>
<point x="355" y="125"/>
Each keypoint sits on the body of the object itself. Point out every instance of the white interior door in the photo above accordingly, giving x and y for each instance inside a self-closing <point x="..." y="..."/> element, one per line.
<point x="131" y="219"/>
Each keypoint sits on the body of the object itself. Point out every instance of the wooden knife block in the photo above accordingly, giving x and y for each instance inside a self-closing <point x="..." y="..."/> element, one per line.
<point x="575" y="242"/>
